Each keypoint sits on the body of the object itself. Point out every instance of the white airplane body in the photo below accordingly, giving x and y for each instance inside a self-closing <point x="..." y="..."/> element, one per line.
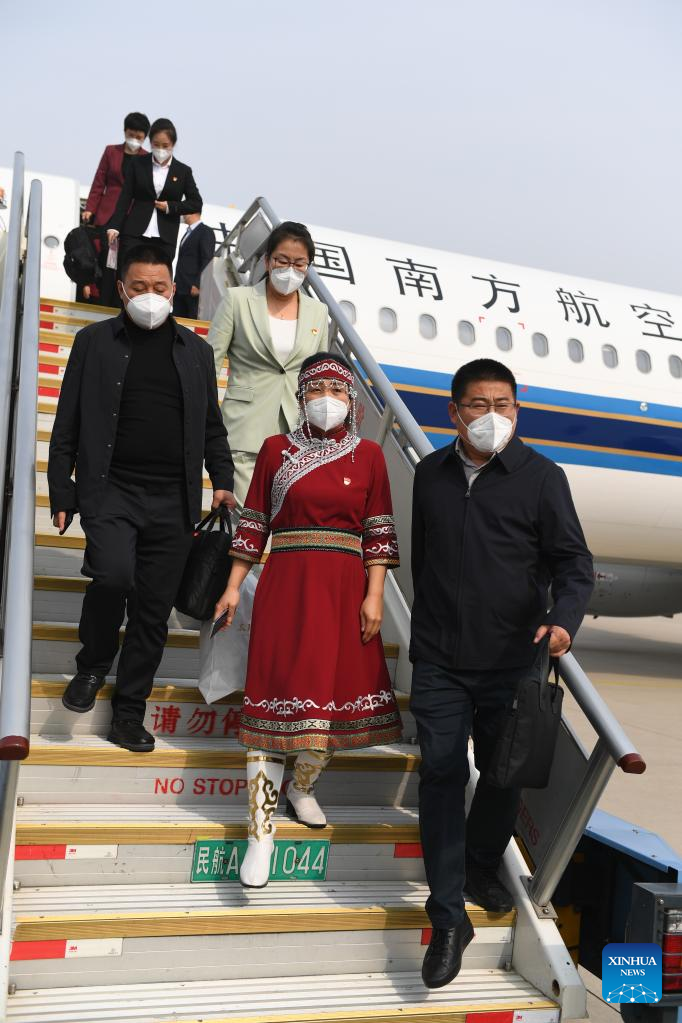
<point x="599" y="369"/>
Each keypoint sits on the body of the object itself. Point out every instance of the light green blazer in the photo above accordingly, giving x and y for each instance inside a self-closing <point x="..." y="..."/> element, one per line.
<point x="259" y="385"/>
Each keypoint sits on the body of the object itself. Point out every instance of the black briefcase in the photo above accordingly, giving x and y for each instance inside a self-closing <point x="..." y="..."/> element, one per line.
<point x="524" y="752"/>
<point x="207" y="568"/>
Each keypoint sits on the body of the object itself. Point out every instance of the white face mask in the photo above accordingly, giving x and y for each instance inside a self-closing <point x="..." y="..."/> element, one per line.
<point x="149" y="310"/>
<point x="286" y="280"/>
<point x="162" y="155"/>
<point x="490" y="432"/>
<point x="326" y="413"/>
<point x="133" y="144"/>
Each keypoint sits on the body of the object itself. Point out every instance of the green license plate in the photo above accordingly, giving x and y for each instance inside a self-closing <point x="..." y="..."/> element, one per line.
<point x="219" y="860"/>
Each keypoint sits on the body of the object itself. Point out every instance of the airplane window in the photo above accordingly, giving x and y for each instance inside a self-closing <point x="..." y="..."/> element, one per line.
<point x="388" y="321"/>
<point x="675" y="364"/>
<point x="503" y="338"/>
<point x="610" y="356"/>
<point x="427" y="326"/>
<point x="576" y="353"/>
<point x="349" y="310"/>
<point x="466" y="332"/>
<point x="540" y="345"/>
<point x="643" y="360"/>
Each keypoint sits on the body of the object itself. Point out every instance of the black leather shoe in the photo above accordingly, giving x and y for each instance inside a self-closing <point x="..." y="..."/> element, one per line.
<point x="484" y="887"/>
<point x="81" y="692"/>
<point x="131" y="735"/>
<point x="443" y="959"/>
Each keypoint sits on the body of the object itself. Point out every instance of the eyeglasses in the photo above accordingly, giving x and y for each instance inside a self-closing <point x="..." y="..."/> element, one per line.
<point x="320" y="387"/>
<point x="478" y="406"/>
<point x="282" y="263"/>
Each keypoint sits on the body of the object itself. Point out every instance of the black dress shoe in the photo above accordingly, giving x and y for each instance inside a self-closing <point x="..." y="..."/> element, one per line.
<point x="443" y="959"/>
<point x="484" y="888"/>
<point x="131" y="735"/>
<point x="81" y="692"/>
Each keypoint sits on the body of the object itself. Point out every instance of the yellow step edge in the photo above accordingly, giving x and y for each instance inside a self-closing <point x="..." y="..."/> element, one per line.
<point x="60" y="583"/>
<point x="55" y="540"/>
<point x="420" y="1013"/>
<point x="98" y="310"/>
<point x="178" y="638"/>
<point x="134" y="833"/>
<point x="86" y="307"/>
<point x="71" y="321"/>
<point x="70" y="754"/>
<point x="41" y="690"/>
<point x="289" y="920"/>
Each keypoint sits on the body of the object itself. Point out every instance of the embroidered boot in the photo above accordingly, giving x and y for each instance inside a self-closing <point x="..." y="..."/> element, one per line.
<point x="301" y="803"/>
<point x="264" y="772"/>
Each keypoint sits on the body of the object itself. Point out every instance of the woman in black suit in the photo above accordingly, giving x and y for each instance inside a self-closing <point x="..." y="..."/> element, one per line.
<point x="157" y="191"/>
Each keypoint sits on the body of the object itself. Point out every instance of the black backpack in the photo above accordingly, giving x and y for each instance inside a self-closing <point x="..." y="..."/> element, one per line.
<point x="80" y="256"/>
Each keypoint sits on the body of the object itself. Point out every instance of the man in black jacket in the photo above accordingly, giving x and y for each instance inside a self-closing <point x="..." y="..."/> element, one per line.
<point x="197" y="247"/>
<point x="493" y="530"/>
<point x="137" y="418"/>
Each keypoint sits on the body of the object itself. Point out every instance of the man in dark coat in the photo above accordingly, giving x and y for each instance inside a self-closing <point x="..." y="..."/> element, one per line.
<point x="197" y="247"/>
<point x="137" y="418"/>
<point x="494" y="530"/>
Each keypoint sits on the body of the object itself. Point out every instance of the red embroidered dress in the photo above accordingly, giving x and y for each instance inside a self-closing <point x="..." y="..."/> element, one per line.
<point x="311" y="683"/>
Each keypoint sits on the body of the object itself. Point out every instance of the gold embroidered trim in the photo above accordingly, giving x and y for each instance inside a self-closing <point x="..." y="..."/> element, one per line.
<point x="316" y="724"/>
<point x="292" y="744"/>
<point x="316" y="540"/>
<point x="307" y="771"/>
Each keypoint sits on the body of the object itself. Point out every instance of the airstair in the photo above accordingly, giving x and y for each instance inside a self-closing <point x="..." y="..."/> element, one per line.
<point x="101" y="919"/>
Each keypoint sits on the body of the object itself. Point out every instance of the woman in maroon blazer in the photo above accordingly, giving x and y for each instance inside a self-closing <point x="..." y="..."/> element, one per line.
<point x="106" y="188"/>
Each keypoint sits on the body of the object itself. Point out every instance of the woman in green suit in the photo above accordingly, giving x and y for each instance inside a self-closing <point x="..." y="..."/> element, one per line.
<point x="267" y="331"/>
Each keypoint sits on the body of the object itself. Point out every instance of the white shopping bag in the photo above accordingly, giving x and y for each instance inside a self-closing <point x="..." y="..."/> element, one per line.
<point x="223" y="659"/>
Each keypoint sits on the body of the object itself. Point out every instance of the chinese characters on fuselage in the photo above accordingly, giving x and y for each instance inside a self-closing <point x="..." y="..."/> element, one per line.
<point x="421" y="280"/>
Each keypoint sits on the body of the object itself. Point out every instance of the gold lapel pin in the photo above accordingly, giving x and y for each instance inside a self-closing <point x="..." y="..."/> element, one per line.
<point x="315" y="331"/>
<point x="174" y="179"/>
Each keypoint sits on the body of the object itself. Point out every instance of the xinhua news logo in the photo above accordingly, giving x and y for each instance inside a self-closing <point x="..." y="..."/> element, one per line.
<point x="632" y="972"/>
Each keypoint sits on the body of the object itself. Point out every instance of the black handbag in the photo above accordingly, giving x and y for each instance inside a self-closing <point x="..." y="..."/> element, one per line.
<point x="207" y="568"/>
<point x="523" y="755"/>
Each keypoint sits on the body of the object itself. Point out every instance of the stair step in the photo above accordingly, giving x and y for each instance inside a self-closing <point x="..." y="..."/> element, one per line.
<point x="188" y="932"/>
<point x="55" y="645"/>
<point x="176" y="708"/>
<point x="129" y="844"/>
<point x="200" y="770"/>
<point x="355" y="998"/>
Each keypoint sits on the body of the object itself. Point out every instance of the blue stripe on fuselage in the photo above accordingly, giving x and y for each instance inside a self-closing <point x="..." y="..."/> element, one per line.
<point x="638" y="442"/>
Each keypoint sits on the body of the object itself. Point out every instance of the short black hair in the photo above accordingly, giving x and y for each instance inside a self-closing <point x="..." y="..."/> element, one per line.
<point x="290" y="229"/>
<point x="163" y="124"/>
<point x="481" y="369"/>
<point x="153" y="255"/>
<point x="136" y="122"/>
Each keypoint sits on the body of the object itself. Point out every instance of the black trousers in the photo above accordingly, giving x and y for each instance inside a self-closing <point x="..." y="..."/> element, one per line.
<point x="186" y="305"/>
<point x="136" y="549"/>
<point x="449" y="706"/>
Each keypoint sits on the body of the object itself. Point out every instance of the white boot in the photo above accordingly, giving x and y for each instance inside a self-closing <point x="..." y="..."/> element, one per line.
<point x="264" y="772"/>
<point x="301" y="803"/>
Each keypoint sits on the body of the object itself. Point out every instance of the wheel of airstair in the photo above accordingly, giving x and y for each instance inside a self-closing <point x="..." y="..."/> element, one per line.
<point x="108" y="923"/>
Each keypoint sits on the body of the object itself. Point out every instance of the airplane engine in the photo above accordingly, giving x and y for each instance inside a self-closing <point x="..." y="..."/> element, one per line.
<point x="629" y="590"/>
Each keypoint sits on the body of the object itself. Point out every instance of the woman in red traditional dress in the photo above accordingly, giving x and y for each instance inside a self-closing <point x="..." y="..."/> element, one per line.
<point x="317" y="679"/>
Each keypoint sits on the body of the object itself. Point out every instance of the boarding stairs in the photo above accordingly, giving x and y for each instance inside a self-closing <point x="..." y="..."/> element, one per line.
<point x="101" y="921"/>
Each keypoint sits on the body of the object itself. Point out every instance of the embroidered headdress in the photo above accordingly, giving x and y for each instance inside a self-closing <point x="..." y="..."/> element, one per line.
<point x="325" y="366"/>
<point x="308" y="451"/>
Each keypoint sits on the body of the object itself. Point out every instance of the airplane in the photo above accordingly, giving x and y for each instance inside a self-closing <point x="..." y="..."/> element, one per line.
<point x="599" y="368"/>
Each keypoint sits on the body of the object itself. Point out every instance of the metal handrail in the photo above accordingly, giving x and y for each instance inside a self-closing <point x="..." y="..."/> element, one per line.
<point x="20" y="454"/>
<point x="15" y="700"/>
<point x="9" y="300"/>
<point x="613" y="745"/>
